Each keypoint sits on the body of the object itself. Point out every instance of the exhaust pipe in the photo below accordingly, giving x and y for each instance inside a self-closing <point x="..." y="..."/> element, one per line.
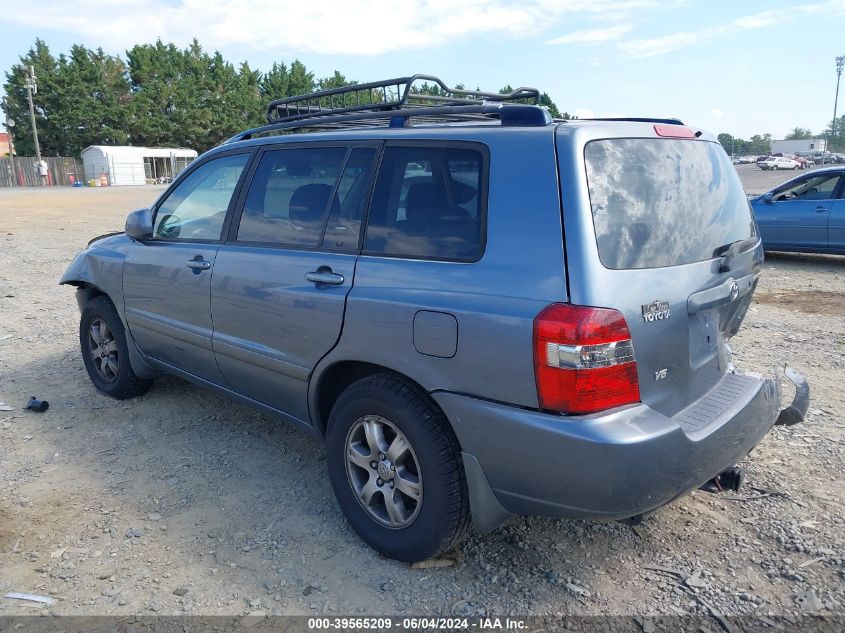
<point x="730" y="479"/>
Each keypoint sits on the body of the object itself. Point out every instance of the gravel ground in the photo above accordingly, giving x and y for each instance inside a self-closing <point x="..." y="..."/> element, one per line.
<point x="182" y="502"/>
<point x="757" y="181"/>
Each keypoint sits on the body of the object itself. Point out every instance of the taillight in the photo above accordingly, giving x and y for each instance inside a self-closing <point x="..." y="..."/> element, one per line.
<point x="583" y="359"/>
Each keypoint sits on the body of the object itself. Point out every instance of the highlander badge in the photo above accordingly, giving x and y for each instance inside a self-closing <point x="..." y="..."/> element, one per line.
<point x="655" y="311"/>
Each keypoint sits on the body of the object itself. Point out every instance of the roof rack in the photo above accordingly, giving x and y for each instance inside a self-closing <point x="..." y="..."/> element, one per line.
<point x="388" y="94"/>
<point x="397" y="101"/>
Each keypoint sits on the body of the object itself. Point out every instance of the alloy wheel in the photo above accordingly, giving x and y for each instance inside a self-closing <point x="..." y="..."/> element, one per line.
<point x="103" y="350"/>
<point x="383" y="471"/>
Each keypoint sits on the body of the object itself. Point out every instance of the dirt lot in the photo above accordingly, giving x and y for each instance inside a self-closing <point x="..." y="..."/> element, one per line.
<point x="182" y="502"/>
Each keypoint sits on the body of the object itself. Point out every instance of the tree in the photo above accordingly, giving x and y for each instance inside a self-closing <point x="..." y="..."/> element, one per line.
<point x="300" y="80"/>
<point x="799" y="133"/>
<point x="727" y="142"/>
<point x="46" y="101"/>
<point x="337" y="80"/>
<point x="546" y="100"/>
<point x="760" y="144"/>
<point x="836" y="136"/>
<point x="274" y="83"/>
<point x="189" y="98"/>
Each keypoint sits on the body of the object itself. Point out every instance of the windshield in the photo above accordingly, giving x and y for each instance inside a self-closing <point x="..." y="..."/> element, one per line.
<point x="664" y="202"/>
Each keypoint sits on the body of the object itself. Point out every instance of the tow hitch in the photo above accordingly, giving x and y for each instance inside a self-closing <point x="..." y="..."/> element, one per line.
<point x="795" y="412"/>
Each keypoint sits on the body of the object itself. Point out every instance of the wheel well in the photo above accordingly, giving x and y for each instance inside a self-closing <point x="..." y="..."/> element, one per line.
<point x="337" y="378"/>
<point x="85" y="292"/>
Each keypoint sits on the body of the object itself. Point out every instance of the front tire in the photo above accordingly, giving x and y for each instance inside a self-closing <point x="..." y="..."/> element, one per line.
<point x="102" y="339"/>
<point x="395" y="466"/>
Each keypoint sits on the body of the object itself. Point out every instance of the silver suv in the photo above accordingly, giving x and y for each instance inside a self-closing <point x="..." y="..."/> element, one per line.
<point x="482" y="310"/>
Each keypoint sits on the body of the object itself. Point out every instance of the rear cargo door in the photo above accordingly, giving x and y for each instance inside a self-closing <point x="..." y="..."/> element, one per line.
<point x="661" y="230"/>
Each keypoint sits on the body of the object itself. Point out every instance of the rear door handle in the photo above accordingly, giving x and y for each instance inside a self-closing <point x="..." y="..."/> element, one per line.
<point x="198" y="264"/>
<point x="323" y="276"/>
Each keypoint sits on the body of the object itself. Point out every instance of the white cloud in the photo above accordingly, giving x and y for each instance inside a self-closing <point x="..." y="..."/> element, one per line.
<point x="760" y="20"/>
<point x="328" y="26"/>
<point x="593" y="36"/>
<point x="660" y="45"/>
<point x="651" y="47"/>
<point x="369" y="28"/>
<point x="717" y="112"/>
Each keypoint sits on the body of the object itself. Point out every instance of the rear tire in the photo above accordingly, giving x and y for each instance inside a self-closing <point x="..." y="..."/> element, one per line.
<point x="388" y="443"/>
<point x="774" y="168"/>
<point x="105" y="352"/>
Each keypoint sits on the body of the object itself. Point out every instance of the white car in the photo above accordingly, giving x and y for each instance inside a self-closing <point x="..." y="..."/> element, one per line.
<point x="778" y="162"/>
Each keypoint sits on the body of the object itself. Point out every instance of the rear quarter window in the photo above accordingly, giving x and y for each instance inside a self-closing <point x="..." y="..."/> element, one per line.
<point x="429" y="203"/>
<point x="663" y="202"/>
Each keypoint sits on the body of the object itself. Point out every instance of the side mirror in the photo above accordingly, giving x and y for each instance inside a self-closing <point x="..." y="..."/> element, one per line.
<point x="139" y="224"/>
<point x="768" y="197"/>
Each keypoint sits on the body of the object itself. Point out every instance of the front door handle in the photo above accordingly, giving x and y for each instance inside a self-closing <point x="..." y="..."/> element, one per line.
<point x="324" y="276"/>
<point x="198" y="264"/>
<point x="820" y="209"/>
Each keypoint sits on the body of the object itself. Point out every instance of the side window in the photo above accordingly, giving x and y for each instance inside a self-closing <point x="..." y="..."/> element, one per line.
<point x="344" y="225"/>
<point x="428" y="202"/>
<point x="196" y="209"/>
<point x="820" y="187"/>
<point x="289" y="196"/>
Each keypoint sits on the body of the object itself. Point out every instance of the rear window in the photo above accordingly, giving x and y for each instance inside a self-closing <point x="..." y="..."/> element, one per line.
<point x="664" y="202"/>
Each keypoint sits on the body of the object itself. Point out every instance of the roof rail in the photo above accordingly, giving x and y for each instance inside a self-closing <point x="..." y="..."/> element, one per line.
<point x="388" y="94"/>
<point x="507" y="114"/>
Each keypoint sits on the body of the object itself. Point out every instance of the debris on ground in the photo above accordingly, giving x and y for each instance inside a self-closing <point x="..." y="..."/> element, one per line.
<point x="39" y="406"/>
<point x="30" y="597"/>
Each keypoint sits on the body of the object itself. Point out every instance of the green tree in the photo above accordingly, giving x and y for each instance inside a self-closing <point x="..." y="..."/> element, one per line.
<point x="836" y="136"/>
<point x="274" y="83"/>
<point x="92" y="92"/>
<point x="48" y="108"/>
<point x="338" y="80"/>
<point x="186" y="97"/>
<point x="799" y="133"/>
<point x="760" y="144"/>
<point x="300" y="80"/>
<point x="546" y="100"/>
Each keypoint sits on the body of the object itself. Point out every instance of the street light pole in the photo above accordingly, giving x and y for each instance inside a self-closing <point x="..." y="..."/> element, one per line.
<point x="840" y="62"/>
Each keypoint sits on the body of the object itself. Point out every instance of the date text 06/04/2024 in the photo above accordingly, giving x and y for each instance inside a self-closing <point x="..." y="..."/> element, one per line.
<point x="416" y="624"/>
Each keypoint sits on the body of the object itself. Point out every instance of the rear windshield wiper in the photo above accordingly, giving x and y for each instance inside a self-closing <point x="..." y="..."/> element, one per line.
<point x="732" y="250"/>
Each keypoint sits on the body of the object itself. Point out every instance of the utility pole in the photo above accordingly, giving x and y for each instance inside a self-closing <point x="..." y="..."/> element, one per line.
<point x="10" y="124"/>
<point x="31" y="89"/>
<point x="840" y="62"/>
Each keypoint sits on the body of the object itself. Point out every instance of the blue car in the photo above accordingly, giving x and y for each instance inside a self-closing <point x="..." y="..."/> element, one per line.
<point x="805" y="214"/>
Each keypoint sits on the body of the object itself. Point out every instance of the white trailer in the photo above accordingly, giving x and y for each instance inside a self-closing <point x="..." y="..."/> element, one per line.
<point x="129" y="165"/>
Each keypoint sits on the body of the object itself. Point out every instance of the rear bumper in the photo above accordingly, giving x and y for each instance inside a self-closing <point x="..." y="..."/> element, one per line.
<point x="614" y="465"/>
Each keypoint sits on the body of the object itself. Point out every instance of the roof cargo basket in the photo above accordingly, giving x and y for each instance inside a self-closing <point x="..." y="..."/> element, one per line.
<point x="395" y="102"/>
<point x="389" y="94"/>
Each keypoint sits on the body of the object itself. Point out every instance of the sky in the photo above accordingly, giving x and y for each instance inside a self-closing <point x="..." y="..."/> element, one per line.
<point x="742" y="67"/>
